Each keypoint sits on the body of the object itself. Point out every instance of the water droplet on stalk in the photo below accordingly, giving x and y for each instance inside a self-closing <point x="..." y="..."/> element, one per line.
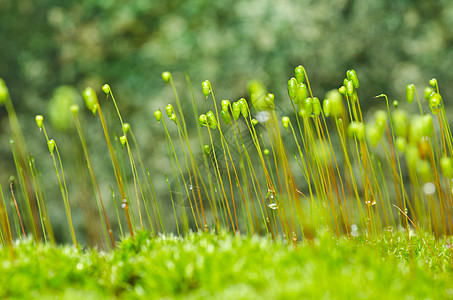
<point x="370" y="203"/>
<point x="124" y="204"/>
<point x="354" y="230"/>
<point x="294" y="236"/>
<point x="273" y="205"/>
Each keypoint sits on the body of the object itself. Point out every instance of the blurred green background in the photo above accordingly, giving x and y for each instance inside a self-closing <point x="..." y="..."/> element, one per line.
<point x="47" y="44"/>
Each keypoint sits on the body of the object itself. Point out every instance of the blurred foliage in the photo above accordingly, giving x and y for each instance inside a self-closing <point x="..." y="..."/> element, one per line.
<point x="129" y="43"/>
<point x="47" y="44"/>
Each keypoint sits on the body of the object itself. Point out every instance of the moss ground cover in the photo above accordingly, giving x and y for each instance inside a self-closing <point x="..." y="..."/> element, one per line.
<point x="205" y="265"/>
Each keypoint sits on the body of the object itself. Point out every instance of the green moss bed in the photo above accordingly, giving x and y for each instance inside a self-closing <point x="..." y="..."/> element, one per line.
<point x="223" y="266"/>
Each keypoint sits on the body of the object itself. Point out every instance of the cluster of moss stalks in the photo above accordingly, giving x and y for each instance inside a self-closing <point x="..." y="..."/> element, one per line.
<point x="341" y="174"/>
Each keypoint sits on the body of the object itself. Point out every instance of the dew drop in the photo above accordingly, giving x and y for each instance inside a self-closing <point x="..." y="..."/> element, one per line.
<point x="294" y="236"/>
<point x="190" y="187"/>
<point x="370" y="203"/>
<point x="124" y="204"/>
<point x="354" y="230"/>
<point x="273" y="206"/>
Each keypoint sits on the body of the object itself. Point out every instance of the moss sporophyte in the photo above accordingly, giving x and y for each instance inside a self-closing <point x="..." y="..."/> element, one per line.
<point x="322" y="167"/>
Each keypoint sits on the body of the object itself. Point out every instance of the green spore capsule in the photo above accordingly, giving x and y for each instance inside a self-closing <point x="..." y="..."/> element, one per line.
<point x="254" y="98"/>
<point x="269" y="99"/>
<point x="336" y="103"/>
<point x="285" y="122"/>
<point x="225" y="116"/>
<point x="349" y="87"/>
<point x="292" y="88"/>
<point x="173" y="118"/>
<point x="381" y="121"/>
<point x="307" y="107"/>
<point x="39" y="119"/>
<point x="225" y="105"/>
<point x="123" y="140"/>
<point x="410" y="93"/>
<point x="400" y="123"/>
<point x="58" y="108"/>
<point x="316" y="107"/>
<point x="91" y="100"/>
<point x="266" y="152"/>
<point x="401" y="144"/>
<point x="207" y="149"/>
<point x="446" y="166"/>
<point x="166" y="76"/>
<point x="236" y="109"/>
<point x="424" y="170"/>
<point x="126" y="127"/>
<point x="299" y="72"/>
<point x="51" y="145"/>
<point x="352" y="129"/>
<point x="411" y="155"/>
<point x="202" y="120"/>
<point x="352" y="76"/>
<point x="428" y="92"/>
<point x="302" y="92"/>
<point x="254" y="122"/>
<point x="244" y="108"/>
<point x="416" y="130"/>
<point x="360" y="132"/>
<point x="428" y="126"/>
<point x="326" y="107"/>
<point x="433" y="82"/>
<point x="212" y="121"/>
<point x="206" y="88"/>
<point x="372" y="134"/>
<point x="342" y="90"/>
<point x="395" y="104"/>
<point x="3" y="91"/>
<point x="158" y="115"/>
<point x="169" y="110"/>
<point x="106" y="88"/>
<point x="435" y="103"/>
<point x="356" y="129"/>
<point x="75" y="110"/>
